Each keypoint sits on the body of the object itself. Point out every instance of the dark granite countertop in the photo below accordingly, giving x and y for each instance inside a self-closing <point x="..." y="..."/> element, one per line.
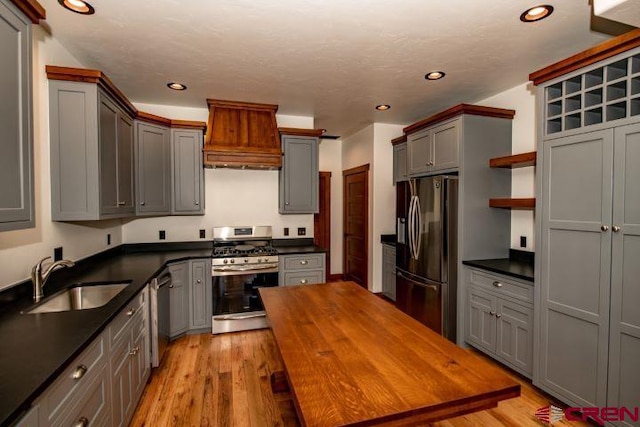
<point x="36" y="348"/>
<point x="516" y="266"/>
<point x="296" y="246"/>
<point x="388" y="239"/>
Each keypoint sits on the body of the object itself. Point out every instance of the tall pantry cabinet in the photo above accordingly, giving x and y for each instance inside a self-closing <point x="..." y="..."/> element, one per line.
<point x="587" y="307"/>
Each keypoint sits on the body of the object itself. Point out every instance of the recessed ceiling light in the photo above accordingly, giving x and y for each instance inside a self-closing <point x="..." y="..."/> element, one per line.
<point x="176" y="86"/>
<point x="434" y="75"/>
<point x="383" y="107"/>
<point x="78" y="6"/>
<point x="536" y="13"/>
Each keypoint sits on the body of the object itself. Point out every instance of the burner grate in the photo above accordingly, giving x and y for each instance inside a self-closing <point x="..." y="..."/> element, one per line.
<point x="243" y="250"/>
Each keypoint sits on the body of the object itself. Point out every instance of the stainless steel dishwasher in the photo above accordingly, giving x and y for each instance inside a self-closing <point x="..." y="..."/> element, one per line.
<point x="160" y="315"/>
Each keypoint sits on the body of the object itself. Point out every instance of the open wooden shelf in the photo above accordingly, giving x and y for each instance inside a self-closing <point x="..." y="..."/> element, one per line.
<point x="508" y="203"/>
<point x="514" y="161"/>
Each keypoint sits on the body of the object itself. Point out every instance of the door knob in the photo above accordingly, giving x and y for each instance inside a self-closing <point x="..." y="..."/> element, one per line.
<point x="616" y="228"/>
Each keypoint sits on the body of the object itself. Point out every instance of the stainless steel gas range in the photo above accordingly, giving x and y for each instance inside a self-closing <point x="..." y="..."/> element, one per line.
<point x="243" y="261"/>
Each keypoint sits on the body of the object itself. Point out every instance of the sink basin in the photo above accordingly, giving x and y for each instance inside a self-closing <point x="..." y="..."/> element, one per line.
<point x="82" y="297"/>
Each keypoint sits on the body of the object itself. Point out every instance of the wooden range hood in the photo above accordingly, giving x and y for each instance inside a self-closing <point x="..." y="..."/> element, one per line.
<point x="242" y="135"/>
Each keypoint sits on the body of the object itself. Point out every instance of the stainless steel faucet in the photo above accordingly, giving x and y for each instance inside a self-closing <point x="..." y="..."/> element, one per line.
<point x="39" y="275"/>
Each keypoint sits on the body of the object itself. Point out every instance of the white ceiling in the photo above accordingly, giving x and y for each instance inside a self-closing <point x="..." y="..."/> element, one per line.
<point x="331" y="59"/>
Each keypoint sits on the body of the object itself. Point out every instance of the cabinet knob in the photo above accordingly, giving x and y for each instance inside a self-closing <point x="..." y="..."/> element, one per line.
<point x="498" y="315"/>
<point x="199" y="281"/>
<point x="604" y="227"/>
<point x="492" y="313"/>
<point x="171" y="286"/>
<point x="304" y="262"/>
<point x="286" y="203"/>
<point x="142" y="203"/>
<point x="82" y="422"/>
<point x="616" y="229"/>
<point x="131" y="312"/>
<point x="303" y="281"/>
<point x="196" y="203"/>
<point x="497" y="284"/>
<point x="79" y="372"/>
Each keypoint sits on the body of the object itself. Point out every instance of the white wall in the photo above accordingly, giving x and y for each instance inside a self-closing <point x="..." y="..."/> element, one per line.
<point x="331" y="161"/>
<point x="522" y="99"/>
<point x="21" y="249"/>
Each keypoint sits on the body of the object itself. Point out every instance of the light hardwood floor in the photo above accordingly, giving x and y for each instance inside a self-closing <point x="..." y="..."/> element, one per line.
<point x="224" y="380"/>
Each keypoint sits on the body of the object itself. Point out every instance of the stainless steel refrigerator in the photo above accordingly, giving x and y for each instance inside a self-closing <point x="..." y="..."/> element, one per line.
<point x="427" y="251"/>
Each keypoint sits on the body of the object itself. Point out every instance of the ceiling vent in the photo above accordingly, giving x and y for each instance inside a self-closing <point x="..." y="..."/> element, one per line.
<point x="242" y="135"/>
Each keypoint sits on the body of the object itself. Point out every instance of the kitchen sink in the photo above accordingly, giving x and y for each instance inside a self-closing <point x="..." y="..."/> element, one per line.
<point x="80" y="297"/>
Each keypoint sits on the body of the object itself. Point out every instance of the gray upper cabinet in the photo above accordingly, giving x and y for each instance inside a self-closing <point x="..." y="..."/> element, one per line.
<point x="299" y="175"/>
<point x="16" y="150"/>
<point x="153" y="169"/>
<point x="187" y="172"/>
<point x="91" y="154"/>
<point x="434" y="149"/>
<point x="400" y="162"/>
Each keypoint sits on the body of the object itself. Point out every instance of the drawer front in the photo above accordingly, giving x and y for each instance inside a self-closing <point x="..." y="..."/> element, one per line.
<point x="93" y="407"/>
<point x="502" y="285"/>
<point x="118" y="327"/>
<point x="303" y="277"/>
<point x="70" y="386"/>
<point x="304" y="262"/>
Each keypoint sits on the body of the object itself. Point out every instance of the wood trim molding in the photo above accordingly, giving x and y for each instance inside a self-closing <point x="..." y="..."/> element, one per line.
<point x="34" y="10"/>
<point x="241" y="105"/>
<point x="399" y="140"/>
<point x="91" y="76"/>
<point x="153" y="119"/>
<point x="357" y="169"/>
<point x="188" y="124"/>
<point x="597" y="53"/>
<point x="476" y="110"/>
<point x="316" y="133"/>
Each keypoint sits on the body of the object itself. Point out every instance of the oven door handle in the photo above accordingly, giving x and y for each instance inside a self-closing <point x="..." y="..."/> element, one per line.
<point x="245" y="268"/>
<point x="239" y="316"/>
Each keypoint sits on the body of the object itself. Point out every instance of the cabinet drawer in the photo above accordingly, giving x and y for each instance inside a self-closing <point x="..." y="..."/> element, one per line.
<point x="93" y="406"/>
<point x="303" y="277"/>
<point x="119" y="325"/>
<point x="304" y="262"/>
<point x="69" y="386"/>
<point x="502" y="285"/>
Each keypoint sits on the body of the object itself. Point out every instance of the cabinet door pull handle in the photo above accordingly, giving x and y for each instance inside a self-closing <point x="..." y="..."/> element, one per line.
<point x="616" y="229"/>
<point x="122" y="203"/>
<point x="134" y="351"/>
<point x="82" y="422"/>
<point x="131" y="312"/>
<point x="79" y="372"/>
<point x="304" y="262"/>
<point x="492" y="313"/>
<point x="303" y="281"/>
<point x="497" y="284"/>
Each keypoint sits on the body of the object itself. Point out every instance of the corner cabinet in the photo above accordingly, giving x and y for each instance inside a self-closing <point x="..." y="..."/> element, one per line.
<point x="587" y="311"/>
<point x="187" y="172"/>
<point x="153" y="169"/>
<point x="299" y="179"/>
<point x="190" y="297"/>
<point x="16" y="126"/>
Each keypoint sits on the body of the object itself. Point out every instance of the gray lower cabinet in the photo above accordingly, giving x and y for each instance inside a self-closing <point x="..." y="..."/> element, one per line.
<point x="16" y="128"/>
<point x="91" y="154"/>
<point x="589" y="314"/>
<point x="301" y="269"/>
<point x="187" y="178"/>
<point x="153" y="169"/>
<point x="190" y="297"/>
<point x="434" y="149"/>
<point x="102" y="386"/>
<point x="400" y="162"/>
<point x="389" y="271"/>
<point x="299" y="179"/>
<point x="500" y="318"/>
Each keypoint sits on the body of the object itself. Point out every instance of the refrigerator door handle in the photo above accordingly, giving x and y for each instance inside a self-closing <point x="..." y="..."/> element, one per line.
<point x="418" y="211"/>
<point x="414" y="225"/>
<point x="410" y="227"/>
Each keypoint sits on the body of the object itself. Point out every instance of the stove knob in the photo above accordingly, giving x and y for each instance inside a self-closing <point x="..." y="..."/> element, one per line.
<point x="246" y="260"/>
<point x="233" y="261"/>
<point x="224" y="261"/>
<point x="259" y="260"/>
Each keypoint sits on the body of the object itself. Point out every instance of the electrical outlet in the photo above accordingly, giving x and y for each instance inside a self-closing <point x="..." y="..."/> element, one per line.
<point x="523" y="241"/>
<point x="286" y="231"/>
<point x="302" y="231"/>
<point x="162" y="234"/>
<point x="109" y="239"/>
<point x="202" y="234"/>
<point x="57" y="254"/>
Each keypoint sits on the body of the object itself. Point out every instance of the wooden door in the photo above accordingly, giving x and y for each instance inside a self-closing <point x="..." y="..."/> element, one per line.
<point x="322" y="220"/>
<point x="356" y="224"/>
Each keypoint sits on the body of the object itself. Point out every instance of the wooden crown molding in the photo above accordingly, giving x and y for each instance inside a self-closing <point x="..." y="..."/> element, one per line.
<point x="241" y="105"/>
<point x="597" y="53"/>
<point x="153" y="119"/>
<point x="476" y="110"/>
<point x="34" y="10"/>
<point x="399" y="140"/>
<point x="300" y="132"/>
<point x="188" y="124"/>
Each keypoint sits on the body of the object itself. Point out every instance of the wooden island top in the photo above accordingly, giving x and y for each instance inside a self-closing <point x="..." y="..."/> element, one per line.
<point x="353" y="359"/>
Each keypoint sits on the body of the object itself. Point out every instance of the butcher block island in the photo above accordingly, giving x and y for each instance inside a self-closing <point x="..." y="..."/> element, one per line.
<point x="353" y="359"/>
